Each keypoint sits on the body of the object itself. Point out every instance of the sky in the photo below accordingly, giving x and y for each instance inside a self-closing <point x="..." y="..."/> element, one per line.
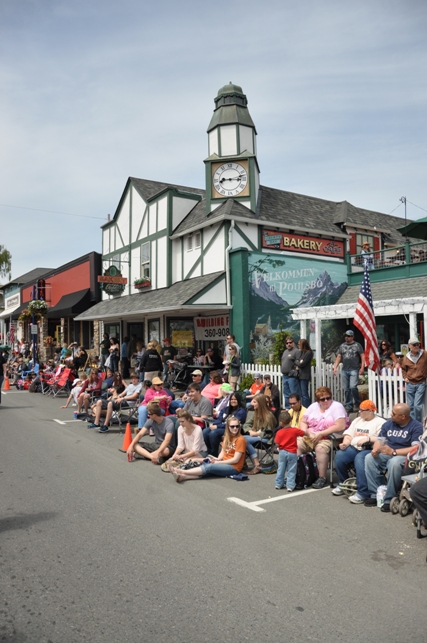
<point x="95" y="91"/>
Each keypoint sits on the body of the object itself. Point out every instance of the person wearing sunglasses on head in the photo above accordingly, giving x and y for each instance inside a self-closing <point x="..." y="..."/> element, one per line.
<point x="414" y="371"/>
<point x="322" y="418"/>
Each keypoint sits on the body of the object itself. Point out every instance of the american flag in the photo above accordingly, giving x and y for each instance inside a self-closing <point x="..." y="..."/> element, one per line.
<point x="364" y="320"/>
<point x="11" y="333"/>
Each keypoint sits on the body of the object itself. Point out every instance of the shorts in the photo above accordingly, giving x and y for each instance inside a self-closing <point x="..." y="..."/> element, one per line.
<point x="233" y="379"/>
<point x="305" y="445"/>
<point x="121" y="405"/>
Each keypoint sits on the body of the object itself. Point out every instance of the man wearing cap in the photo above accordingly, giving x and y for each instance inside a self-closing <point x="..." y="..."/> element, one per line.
<point x="356" y="445"/>
<point x="290" y="383"/>
<point x="414" y="371"/>
<point x="395" y="440"/>
<point x="353" y="363"/>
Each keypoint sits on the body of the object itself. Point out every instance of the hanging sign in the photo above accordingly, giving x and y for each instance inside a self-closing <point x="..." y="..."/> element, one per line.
<point x="112" y="281"/>
<point x="213" y="328"/>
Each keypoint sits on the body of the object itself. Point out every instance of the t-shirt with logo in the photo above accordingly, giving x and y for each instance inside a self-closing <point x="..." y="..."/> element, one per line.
<point x="350" y="355"/>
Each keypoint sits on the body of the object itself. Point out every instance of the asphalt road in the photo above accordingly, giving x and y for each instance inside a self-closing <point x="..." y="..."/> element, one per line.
<point x="94" y="548"/>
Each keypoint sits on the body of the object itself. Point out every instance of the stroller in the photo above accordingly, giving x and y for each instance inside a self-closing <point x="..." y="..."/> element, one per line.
<point x="178" y="374"/>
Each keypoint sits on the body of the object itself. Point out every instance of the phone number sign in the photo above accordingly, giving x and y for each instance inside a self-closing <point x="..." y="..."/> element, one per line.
<point x="214" y="328"/>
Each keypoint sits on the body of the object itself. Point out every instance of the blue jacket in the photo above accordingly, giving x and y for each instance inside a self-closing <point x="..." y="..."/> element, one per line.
<point x="220" y="421"/>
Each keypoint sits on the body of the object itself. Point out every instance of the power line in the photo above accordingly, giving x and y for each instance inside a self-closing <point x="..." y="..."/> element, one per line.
<point x="417" y="206"/>
<point x="70" y="214"/>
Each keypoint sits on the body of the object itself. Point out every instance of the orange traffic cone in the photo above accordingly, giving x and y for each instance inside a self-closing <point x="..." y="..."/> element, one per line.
<point x="6" y="385"/>
<point x="127" y="439"/>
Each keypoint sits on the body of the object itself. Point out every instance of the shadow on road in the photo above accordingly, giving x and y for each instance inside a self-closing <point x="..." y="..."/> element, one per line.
<point x="23" y="521"/>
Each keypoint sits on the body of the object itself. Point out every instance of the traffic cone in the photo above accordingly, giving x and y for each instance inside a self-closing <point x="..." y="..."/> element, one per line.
<point x="127" y="439"/>
<point x="6" y="385"/>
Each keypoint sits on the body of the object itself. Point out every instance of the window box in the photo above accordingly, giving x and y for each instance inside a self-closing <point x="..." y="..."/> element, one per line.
<point x="142" y="283"/>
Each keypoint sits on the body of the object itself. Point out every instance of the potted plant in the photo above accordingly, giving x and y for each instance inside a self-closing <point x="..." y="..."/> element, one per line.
<point x="25" y="315"/>
<point x="142" y="282"/>
<point x="37" y="307"/>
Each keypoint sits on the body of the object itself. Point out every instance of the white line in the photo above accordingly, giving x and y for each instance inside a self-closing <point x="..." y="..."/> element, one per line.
<point x="59" y="421"/>
<point x="254" y="505"/>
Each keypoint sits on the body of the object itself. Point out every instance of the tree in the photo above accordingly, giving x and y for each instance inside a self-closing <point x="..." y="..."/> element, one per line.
<point x="5" y="263"/>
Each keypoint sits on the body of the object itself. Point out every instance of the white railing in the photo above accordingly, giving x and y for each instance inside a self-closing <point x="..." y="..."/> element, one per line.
<point x="326" y="377"/>
<point x="388" y="389"/>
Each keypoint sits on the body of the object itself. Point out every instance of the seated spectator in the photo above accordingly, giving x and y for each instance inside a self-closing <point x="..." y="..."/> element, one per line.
<point x="230" y="461"/>
<point x="395" y="440"/>
<point x="91" y="387"/>
<point x="297" y="410"/>
<point x="225" y="391"/>
<point x="357" y="443"/>
<point x="164" y="430"/>
<point x="196" y="377"/>
<point x="211" y="390"/>
<point x="127" y="399"/>
<point x="256" y="387"/>
<point x="199" y="359"/>
<point x="80" y="358"/>
<point x="260" y="424"/>
<point x="75" y="391"/>
<point x="199" y="406"/>
<point x="156" y="393"/>
<point x="322" y="419"/>
<point x="190" y="439"/>
<point x="213" y="434"/>
<point x="272" y="391"/>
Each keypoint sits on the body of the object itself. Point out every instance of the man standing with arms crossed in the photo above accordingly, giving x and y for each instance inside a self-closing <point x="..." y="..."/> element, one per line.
<point x="353" y="364"/>
<point x="414" y="371"/>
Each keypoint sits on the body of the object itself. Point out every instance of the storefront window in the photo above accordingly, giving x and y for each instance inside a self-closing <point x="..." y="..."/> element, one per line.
<point x="181" y="333"/>
<point x="154" y="329"/>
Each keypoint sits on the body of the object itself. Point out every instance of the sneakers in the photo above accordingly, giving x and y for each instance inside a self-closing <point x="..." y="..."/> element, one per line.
<point x="93" y="426"/>
<point x="289" y="490"/>
<point x="357" y="499"/>
<point x="320" y="483"/>
<point x="276" y="487"/>
<point x="103" y="429"/>
<point x="370" y="502"/>
<point x="386" y="507"/>
<point x="337" y="491"/>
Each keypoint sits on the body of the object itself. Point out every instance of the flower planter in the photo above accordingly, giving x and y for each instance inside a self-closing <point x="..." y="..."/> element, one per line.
<point x="142" y="284"/>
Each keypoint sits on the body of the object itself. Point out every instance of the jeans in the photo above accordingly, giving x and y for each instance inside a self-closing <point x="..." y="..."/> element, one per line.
<point x="290" y="385"/>
<point x="250" y="441"/>
<point x="346" y="457"/>
<point x="374" y="468"/>
<point x="305" y="395"/>
<point x="415" y="399"/>
<point x="176" y="404"/>
<point x="212" y="438"/>
<point x="350" y="379"/>
<point x="219" y="469"/>
<point x="143" y="414"/>
<point x="287" y="460"/>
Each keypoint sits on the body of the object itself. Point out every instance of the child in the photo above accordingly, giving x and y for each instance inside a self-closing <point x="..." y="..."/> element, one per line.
<point x="286" y="439"/>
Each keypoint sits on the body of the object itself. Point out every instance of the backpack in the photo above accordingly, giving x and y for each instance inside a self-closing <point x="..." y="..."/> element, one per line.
<point x="307" y="472"/>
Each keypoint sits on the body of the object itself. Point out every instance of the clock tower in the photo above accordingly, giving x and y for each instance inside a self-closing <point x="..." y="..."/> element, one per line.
<point x="231" y="168"/>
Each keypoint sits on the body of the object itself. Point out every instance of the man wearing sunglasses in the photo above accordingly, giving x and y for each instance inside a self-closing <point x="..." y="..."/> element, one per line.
<point x="290" y="382"/>
<point x="414" y="370"/>
<point x="353" y="364"/>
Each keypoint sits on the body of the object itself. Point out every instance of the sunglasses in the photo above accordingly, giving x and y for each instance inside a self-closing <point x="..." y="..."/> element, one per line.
<point x="417" y="344"/>
<point x="234" y="426"/>
<point x="293" y="403"/>
<point x="324" y="399"/>
<point x="289" y="343"/>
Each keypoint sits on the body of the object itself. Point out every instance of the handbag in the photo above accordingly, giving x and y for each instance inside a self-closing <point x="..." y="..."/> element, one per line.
<point x="294" y="373"/>
<point x="108" y="362"/>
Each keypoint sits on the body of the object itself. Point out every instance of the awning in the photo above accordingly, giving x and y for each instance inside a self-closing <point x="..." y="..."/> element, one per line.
<point x="70" y="305"/>
<point x="7" y="313"/>
<point x="18" y="311"/>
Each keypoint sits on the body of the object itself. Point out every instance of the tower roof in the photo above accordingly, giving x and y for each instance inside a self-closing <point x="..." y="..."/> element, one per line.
<point x="231" y="107"/>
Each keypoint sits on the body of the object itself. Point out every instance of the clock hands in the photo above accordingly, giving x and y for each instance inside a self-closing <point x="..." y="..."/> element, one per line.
<point x="232" y="178"/>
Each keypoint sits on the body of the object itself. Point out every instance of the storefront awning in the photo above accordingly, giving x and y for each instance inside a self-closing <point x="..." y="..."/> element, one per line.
<point x="182" y="295"/>
<point x="70" y="305"/>
<point x="7" y="313"/>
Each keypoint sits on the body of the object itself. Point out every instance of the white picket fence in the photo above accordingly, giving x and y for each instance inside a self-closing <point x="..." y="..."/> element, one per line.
<point x="326" y="378"/>
<point x="384" y="390"/>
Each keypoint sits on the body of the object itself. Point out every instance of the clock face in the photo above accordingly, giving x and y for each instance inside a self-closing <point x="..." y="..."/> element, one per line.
<point x="230" y="179"/>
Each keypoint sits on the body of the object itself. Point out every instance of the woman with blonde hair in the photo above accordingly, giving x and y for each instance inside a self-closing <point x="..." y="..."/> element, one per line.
<point x="229" y="462"/>
<point x="151" y="363"/>
<point x="260" y="424"/>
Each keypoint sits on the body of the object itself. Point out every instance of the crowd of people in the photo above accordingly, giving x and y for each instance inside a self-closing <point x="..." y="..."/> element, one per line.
<point x="215" y="429"/>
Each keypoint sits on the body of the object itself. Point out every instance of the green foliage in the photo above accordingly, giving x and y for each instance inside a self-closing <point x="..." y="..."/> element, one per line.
<point x="279" y="345"/>
<point x="5" y="263"/>
<point x="246" y="382"/>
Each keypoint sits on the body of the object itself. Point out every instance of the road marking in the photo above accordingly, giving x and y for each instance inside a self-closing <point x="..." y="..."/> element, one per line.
<point x="59" y="421"/>
<point x="66" y="421"/>
<point x="255" y="505"/>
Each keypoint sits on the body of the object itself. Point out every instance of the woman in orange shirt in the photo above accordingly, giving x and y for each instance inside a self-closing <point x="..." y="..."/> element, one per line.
<point x="229" y="462"/>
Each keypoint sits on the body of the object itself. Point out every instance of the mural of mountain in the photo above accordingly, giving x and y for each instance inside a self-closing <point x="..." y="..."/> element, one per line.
<point x="325" y="292"/>
<point x="263" y="291"/>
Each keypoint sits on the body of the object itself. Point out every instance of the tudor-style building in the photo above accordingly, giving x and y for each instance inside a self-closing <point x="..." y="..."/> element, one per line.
<point x="236" y="255"/>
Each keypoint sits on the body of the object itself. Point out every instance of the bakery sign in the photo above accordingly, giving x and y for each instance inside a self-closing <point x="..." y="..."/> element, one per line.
<point x="277" y="240"/>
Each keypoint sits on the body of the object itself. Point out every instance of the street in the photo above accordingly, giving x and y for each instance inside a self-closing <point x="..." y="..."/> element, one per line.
<point x="94" y="548"/>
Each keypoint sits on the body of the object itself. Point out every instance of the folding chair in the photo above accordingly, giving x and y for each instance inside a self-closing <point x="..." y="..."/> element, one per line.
<point x="63" y="383"/>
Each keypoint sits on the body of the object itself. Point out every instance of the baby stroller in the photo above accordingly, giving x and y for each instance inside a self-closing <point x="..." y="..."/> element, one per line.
<point x="177" y="376"/>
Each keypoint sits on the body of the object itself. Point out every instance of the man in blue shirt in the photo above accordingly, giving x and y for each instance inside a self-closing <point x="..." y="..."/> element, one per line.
<point x="396" y="438"/>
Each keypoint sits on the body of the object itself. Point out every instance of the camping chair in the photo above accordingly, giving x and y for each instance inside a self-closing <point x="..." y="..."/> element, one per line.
<point x="265" y="450"/>
<point x="336" y="439"/>
<point x="63" y="383"/>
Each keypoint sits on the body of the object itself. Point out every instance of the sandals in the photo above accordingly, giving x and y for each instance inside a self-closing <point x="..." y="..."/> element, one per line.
<point x="256" y="469"/>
